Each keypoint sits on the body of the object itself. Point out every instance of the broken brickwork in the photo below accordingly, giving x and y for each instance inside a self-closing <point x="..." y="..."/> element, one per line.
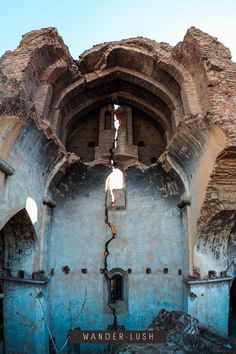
<point x="178" y="160"/>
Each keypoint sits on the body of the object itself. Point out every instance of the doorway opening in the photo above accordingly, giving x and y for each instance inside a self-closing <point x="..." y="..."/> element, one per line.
<point x="232" y="309"/>
<point x="17" y="245"/>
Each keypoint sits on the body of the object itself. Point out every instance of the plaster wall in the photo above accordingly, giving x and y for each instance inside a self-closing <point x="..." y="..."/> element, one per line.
<point x="150" y="234"/>
<point x="189" y="87"/>
<point x="24" y="323"/>
<point x="27" y="157"/>
<point x="24" y="319"/>
<point x="208" y="301"/>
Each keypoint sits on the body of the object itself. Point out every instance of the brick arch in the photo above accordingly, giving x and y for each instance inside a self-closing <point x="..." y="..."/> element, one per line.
<point x="122" y="98"/>
<point x="77" y="94"/>
<point x="145" y="57"/>
<point x="221" y="189"/>
<point x="141" y="61"/>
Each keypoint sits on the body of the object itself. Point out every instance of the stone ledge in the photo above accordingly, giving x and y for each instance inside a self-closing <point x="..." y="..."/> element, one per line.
<point x="25" y="281"/>
<point x="207" y="281"/>
<point x="6" y="168"/>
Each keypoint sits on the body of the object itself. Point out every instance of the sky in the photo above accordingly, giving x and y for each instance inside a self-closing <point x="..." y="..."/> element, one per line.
<point x="84" y="23"/>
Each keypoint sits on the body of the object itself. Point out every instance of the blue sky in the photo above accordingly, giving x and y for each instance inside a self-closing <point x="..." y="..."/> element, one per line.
<point x="83" y="23"/>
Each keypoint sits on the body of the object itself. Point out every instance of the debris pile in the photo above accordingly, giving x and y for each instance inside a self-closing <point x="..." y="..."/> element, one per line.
<point x="184" y="335"/>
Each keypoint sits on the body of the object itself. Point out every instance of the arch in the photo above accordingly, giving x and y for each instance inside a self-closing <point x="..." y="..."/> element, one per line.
<point x="155" y="67"/>
<point x="211" y="248"/>
<point x="122" y="97"/>
<point x="115" y="73"/>
<point x="119" y="88"/>
<point x="156" y="90"/>
<point x="116" y="288"/>
<point x="116" y="291"/>
<point x="195" y="151"/>
<point x="219" y="196"/>
<point x="55" y="174"/>
<point x="189" y="93"/>
<point x="17" y="242"/>
<point x="156" y="55"/>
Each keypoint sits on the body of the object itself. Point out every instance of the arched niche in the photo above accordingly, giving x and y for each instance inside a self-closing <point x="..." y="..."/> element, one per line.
<point x="17" y="243"/>
<point x="116" y="291"/>
<point x="215" y="246"/>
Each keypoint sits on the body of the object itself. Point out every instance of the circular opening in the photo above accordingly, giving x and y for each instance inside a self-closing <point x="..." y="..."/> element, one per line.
<point x="153" y="159"/>
<point x="141" y="144"/>
<point x="91" y="144"/>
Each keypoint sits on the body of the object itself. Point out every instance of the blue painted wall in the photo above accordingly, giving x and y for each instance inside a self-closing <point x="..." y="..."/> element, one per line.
<point x="151" y="234"/>
<point x="24" y="319"/>
<point x="24" y="324"/>
<point x="208" y="301"/>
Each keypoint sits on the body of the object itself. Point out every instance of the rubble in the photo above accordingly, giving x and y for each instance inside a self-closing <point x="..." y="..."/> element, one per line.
<point x="184" y="335"/>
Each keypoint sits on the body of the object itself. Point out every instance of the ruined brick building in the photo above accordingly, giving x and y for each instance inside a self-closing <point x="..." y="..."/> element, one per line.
<point x="80" y="249"/>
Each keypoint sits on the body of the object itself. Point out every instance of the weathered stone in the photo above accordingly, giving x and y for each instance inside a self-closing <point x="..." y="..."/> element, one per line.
<point x="176" y="151"/>
<point x="183" y="336"/>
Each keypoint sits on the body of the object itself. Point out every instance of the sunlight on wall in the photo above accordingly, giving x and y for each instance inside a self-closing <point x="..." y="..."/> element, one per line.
<point x="115" y="180"/>
<point x="116" y="125"/>
<point x="32" y="209"/>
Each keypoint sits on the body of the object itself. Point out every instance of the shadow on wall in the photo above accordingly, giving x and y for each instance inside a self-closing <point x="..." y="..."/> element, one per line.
<point x="17" y="241"/>
<point x="214" y="249"/>
<point x="232" y="309"/>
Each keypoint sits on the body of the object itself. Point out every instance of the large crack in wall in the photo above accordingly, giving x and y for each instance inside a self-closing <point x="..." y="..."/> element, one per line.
<point x="111" y="226"/>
